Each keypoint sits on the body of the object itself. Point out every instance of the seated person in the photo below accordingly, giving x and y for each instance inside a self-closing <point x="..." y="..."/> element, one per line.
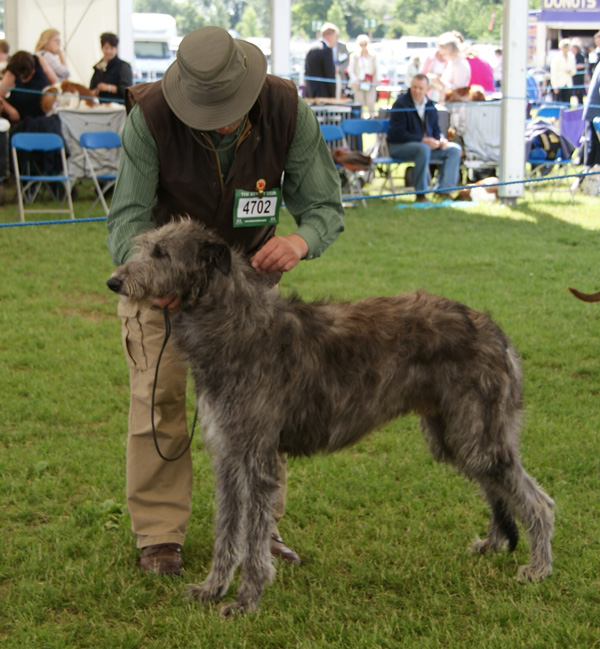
<point x="49" y="47"/>
<point x="4" y="55"/>
<point x="415" y="135"/>
<point x="111" y="74"/>
<point x="25" y="73"/>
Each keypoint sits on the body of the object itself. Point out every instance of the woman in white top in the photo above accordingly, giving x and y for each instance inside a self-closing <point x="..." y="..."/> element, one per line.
<point x="562" y="69"/>
<point x="362" y="72"/>
<point x="458" y="71"/>
<point x="434" y="67"/>
<point x="48" y="47"/>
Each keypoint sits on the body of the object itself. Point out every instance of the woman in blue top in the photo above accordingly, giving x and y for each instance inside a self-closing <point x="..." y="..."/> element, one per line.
<point x="25" y="78"/>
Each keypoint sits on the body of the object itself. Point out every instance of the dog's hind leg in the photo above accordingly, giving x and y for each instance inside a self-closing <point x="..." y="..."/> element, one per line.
<point x="433" y="428"/>
<point x="534" y="508"/>
<point x="231" y="503"/>
<point x="488" y="455"/>
<point x="502" y="530"/>
<point x="502" y="527"/>
<point x="257" y="562"/>
<point x="513" y="493"/>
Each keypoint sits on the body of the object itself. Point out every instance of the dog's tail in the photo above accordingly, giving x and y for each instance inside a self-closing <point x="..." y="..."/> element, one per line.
<point x="586" y="297"/>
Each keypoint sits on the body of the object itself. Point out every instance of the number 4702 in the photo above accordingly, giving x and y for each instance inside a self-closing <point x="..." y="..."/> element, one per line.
<point x="257" y="206"/>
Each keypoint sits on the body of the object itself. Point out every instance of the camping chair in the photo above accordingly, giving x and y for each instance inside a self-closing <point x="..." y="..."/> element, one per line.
<point x="385" y="161"/>
<point x="590" y="182"/>
<point x="335" y="137"/>
<point x="548" y="113"/>
<point x="29" y="184"/>
<point x="90" y="142"/>
<point x="549" y="155"/>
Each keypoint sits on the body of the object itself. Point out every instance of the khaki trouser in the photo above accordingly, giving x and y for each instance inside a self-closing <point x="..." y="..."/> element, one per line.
<point x="159" y="493"/>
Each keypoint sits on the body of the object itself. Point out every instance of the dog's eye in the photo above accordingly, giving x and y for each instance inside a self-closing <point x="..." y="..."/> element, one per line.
<point x="159" y="251"/>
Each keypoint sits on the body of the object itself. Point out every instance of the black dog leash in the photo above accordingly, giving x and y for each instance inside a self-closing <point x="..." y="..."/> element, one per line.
<point x="167" y="334"/>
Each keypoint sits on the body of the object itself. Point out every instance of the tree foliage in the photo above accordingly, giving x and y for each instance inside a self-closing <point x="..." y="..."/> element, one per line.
<point x="248" y="25"/>
<point x="392" y="18"/>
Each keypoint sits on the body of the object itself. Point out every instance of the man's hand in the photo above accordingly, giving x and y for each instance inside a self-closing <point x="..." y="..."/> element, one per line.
<point x="280" y="254"/>
<point x="172" y="303"/>
<point x="431" y="142"/>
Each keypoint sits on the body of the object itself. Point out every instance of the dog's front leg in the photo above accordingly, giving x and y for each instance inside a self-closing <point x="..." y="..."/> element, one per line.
<point x="228" y="525"/>
<point x="257" y="564"/>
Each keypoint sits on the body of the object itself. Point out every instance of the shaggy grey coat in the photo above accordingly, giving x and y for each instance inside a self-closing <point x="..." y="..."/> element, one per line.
<point x="275" y="373"/>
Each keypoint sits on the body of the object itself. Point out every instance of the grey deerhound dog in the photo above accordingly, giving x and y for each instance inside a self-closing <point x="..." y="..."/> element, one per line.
<point x="275" y="373"/>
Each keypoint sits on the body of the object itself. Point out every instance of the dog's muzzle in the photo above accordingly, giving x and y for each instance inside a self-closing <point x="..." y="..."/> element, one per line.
<point x="115" y="284"/>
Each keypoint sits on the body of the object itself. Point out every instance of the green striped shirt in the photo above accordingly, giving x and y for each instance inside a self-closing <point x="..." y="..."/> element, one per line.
<point x="310" y="189"/>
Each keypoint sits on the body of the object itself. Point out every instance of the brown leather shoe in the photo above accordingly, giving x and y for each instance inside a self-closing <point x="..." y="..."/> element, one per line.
<point x="280" y="549"/>
<point x="421" y="198"/>
<point x="161" y="559"/>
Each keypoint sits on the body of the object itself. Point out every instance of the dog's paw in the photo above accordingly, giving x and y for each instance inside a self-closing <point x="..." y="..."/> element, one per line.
<point x="235" y="609"/>
<point x="483" y="546"/>
<point x="204" y="593"/>
<point x="530" y="574"/>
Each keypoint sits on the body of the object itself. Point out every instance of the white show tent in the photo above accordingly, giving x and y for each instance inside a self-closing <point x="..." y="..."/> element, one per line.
<point x="80" y="23"/>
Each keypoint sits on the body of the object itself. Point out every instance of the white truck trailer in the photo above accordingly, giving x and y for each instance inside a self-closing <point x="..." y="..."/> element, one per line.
<point x="153" y="37"/>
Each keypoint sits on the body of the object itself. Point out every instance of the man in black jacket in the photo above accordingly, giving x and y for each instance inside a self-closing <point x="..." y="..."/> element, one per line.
<point x="415" y="135"/>
<point x="319" y="65"/>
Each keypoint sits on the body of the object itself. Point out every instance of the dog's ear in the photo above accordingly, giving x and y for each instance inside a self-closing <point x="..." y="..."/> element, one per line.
<point x="216" y="255"/>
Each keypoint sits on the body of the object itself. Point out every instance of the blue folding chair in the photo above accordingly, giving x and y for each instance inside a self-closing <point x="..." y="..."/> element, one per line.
<point x="29" y="184"/>
<point x="379" y="150"/>
<point x="334" y="136"/>
<point x="91" y="142"/>
<point x="384" y="160"/>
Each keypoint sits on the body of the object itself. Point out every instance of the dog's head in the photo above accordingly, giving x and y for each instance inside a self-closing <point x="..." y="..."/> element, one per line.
<point x="179" y="259"/>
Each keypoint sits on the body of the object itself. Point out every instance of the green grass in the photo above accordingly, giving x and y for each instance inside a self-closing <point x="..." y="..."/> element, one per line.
<point x="382" y="530"/>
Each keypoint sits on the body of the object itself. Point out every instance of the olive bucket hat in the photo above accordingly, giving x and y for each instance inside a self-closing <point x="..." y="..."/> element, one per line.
<point x="215" y="79"/>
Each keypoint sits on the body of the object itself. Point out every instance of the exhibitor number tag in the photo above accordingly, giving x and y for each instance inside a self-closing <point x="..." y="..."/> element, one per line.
<point x="253" y="209"/>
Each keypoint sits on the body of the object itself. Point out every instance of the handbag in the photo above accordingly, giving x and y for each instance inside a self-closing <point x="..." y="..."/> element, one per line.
<point x="365" y="85"/>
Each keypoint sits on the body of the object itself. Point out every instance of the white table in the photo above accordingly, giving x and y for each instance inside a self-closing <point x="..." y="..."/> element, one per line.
<point x="77" y="121"/>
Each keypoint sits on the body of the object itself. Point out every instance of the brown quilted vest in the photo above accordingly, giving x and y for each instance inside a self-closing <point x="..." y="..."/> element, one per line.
<point x="189" y="176"/>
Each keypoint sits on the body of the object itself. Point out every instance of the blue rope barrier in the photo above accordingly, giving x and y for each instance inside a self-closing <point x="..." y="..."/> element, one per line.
<point x="41" y="92"/>
<point x="55" y="222"/>
<point x="447" y="190"/>
<point x="553" y="104"/>
<point x="347" y="199"/>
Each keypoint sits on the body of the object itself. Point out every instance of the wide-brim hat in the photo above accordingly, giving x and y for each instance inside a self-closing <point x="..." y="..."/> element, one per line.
<point x="215" y="79"/>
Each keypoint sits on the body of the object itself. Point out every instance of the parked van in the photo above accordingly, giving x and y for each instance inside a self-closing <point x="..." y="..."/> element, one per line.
<point x="394" y="55"/>
<point x="416" y="44"/>
<point x="153" y="36"/>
